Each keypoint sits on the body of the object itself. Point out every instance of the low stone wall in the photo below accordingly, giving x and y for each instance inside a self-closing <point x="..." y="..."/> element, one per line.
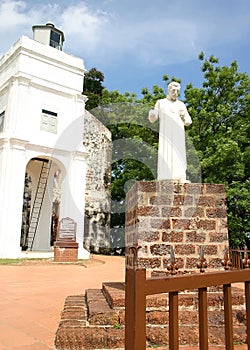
<point x="186" y="217"/>
<point x="96" y="320"/>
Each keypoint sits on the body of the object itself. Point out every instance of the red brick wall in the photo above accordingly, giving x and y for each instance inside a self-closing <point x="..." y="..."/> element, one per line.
<point x="161" y="214"/>
<point x="66" y="254"/>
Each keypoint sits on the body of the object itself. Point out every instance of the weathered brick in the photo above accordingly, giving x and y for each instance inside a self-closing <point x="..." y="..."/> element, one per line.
<point x="210" y="249"/>
<point x="115" y="338"/>
<point x="172" y="236"/>
<point x="160" y="200"/>
<point x="216" y="213"/>
<point x="165" y="224"/>
<point x="149" y="263"/>
<point x="114" y="293"/>
<point x="157" y="336"/>
<point x="104" y="318"/>
<point x="194" y="189"/>
<point x="160" y="223"/>
<point x="207" y="201"/>
<point x="167" y="187"/>
<point x="188" y="317"/>
<point x="215" y="188"/>
<point x="186" y="249"/>
<point x="156" y="300"/>
<point x="151" y="236"/>
<point x="157" y="317"/>
<point x="73" y="314"/>
<point x="178" y="200"/>
<point x="218" y="237"/>
<point x="160" y="249"/>
<point x="148" y="211"/>
<point x="207" y="224"/>
<point x="180" y="224"/>
<point x="195" y="236"/>
<point x="171" y="211"/>
<point x="197" y="212"/>
<point x="189" y="200"/>
<point x="146" y="186"/>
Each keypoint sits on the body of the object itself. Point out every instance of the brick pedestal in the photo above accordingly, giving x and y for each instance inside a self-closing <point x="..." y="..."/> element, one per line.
<point x="65" y="251"/>
<point x="162" y="214"/>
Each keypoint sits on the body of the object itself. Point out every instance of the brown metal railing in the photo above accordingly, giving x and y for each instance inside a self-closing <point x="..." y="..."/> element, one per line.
<point x="239" y="258"/>
<point x="138" y="287"/>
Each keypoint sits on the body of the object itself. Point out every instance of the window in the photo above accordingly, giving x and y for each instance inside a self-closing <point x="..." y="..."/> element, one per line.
<point x="55" y="40"/>
<point x="2" y="115"/>
<point x="48" y="121"/>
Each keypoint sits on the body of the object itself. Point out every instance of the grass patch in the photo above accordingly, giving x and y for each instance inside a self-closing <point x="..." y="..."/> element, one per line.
<point x="16" y="261"/>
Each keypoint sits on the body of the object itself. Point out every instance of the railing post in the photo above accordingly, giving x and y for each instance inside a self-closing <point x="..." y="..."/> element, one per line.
<point x="247" y="296"/>
<point x="135" y="309"/>
<point x="203" y="321"/>
<point x="228" y="316"/>
<point x="173" y="321"/>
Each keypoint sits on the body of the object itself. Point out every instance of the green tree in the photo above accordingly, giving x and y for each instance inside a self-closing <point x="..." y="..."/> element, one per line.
<point x="220" y="133"/>
<point x="92" y="88"/>
<point x="134" y="154"/>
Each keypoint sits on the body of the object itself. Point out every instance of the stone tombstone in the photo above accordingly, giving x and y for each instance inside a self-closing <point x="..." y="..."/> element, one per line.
<point x="66" y="230"/>
<point x="66" y="247"/>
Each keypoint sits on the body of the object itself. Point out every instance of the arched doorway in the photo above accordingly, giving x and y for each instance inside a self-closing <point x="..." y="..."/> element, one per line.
<point x="41" y="204"/>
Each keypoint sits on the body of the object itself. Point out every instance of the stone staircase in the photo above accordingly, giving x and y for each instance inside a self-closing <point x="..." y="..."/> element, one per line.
<point x="96" y="320"/>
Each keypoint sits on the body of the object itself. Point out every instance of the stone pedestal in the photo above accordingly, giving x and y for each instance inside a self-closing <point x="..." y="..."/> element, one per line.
<point x="65" y="251"/>
<point x="66" y="247"/>
<point x="165" y="214"/>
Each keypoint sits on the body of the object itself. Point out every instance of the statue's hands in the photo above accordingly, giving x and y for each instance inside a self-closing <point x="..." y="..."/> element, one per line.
<point x="152" y="115"/>
<point x="182" y="115"/>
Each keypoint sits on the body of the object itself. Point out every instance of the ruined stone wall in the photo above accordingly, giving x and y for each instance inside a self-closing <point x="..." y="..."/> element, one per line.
<point x="97" y="141"/>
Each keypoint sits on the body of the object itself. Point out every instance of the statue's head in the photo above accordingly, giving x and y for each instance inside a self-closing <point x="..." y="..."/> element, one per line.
<point x="174" y="90"/>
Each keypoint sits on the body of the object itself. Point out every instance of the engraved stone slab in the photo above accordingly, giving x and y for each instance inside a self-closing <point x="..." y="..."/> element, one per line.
<point x="67" y="230"/>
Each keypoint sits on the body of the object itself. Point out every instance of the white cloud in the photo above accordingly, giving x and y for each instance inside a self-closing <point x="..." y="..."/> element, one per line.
<point x="12" y="14"/>
<point x="83" y="26"/>
<point x="154" y="34"/>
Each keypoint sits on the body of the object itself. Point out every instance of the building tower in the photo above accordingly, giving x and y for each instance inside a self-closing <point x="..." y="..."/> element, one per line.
<point x="42" y="159"/>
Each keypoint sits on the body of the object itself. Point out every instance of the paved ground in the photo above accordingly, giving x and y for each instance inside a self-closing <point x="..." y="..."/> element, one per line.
<point x="32" y="297"/>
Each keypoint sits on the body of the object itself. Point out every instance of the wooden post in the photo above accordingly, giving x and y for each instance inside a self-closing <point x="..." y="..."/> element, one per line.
<point x="203" y="322"/>
<point x="228" y="316"/>
<point x="173" y="321"/>
<point x="135" y="309"/>
<point x="247" y="296"/>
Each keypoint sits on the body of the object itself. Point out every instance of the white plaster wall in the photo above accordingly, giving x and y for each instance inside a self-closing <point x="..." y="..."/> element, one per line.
<point x="33" y="77"/>
<point x="60" y="70"/>
<point x="11" y="197"/>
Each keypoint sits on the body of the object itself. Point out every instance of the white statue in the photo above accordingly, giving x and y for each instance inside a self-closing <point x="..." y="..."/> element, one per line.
<point x="173" y="116"/>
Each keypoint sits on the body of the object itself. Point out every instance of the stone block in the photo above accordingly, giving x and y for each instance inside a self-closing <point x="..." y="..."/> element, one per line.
<point x="185" y="216"/>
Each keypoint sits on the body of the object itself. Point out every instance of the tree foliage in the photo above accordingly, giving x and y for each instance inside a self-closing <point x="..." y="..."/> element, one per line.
<point x="93" y="87"/>
<point x="220" y="133"/>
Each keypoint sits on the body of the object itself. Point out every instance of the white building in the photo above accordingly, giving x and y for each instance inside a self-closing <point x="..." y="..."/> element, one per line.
<point x="41" y="126"/>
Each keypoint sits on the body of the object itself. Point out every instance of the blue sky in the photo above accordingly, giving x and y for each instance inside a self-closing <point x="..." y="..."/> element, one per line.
<point x="135" y="42"/>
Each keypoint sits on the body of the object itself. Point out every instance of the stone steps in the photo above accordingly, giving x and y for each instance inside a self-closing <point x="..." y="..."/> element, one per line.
<point x="96" y="320"/>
